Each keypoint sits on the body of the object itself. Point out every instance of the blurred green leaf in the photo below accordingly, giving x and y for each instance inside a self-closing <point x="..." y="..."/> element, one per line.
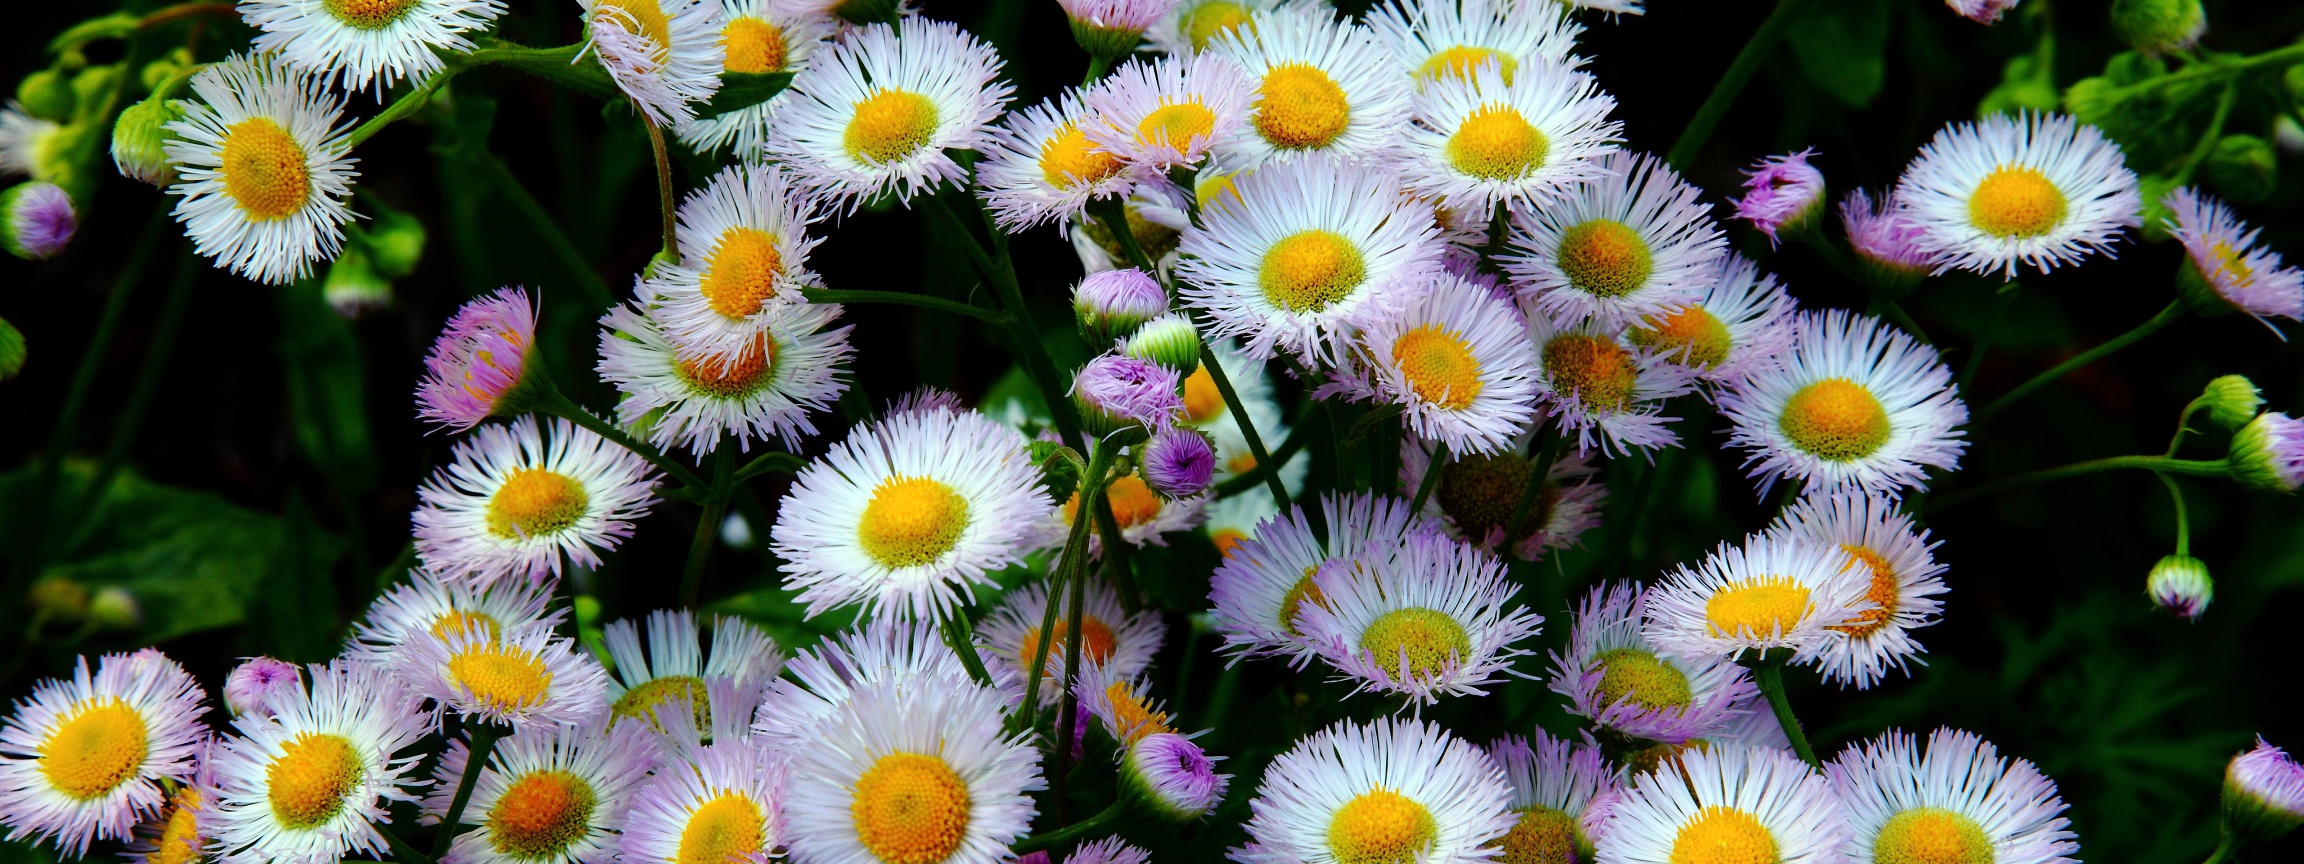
<point x="297" y="606"/>
<point x="741" y="90"/>
<point x="327" y="388"/>
<point x="1843" y="47"/>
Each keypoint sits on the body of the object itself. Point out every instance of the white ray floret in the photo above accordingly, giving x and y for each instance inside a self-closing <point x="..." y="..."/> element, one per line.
<point x="1483" y="138"/>
<point x="1955" y="799"/>
<point x="1432" y="622"/>
<point x="1774" y="592"/>
<point x="358" y="42"/>
<point x="310" y="783"/>
<point x="85" y="759"/>
<point x="2034" y="189"/>
<point x="516" y="501"/>
<point x="1322" y="86"/>
<point x="1856" y="403"/>
<point x="664" y="54"/>
<point x="1903" y="580"/>
<point x="875" y="112"/>
<point x="1635" y="241"/>
<point x="1392" y="790"/>
<point x="265" y="169"/>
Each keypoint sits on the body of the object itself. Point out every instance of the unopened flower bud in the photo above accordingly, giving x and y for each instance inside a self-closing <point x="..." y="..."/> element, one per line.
<point x="2232" y="401"/>
<point x="2268" y="453"/>
<point x="2244" y="167"/>
<point x="37" y="220"/>
<point x="12" y="350"/>
<point x="1888" y="245"/>
<point x="1782" y="196"/>
<point x="140" y="139"/>
<point x="58" y="599"/>
<point x="2263" y="793"/>
<point x="1172" y="777"/>
<point x="2159" y="26"/>
<point x="395" y="243"/>
<point x="114" y="608"/>
<point x="47" y="95"/>
<point x="256" y="681"/>
<point x="353" y="288"/>
<point x="1112" y="304"/>
<point x="1179" y="463"/>
<point x="1118" y="393"/>
<point x="1110" y="29"/>
<point x="2180" y="584"/>
<point x="1169" y="340"/>
<point x="1981" y="11"/>
<point x="1057" y="474"/>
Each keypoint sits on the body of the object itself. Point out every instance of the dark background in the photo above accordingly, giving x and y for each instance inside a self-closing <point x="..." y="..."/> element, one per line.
<point x="270" y="480"/>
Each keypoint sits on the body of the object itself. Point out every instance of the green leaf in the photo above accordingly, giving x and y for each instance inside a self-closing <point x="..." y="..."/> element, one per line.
<point x="741" y="90"/>
<point x="296" y="610"/>
<point x="327" y="388"/>
<point x="1842" y="46"/>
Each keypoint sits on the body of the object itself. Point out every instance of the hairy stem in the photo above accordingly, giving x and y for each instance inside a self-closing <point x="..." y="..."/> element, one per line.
<point x="707" y="527"/>
<point x="484" y="735"/>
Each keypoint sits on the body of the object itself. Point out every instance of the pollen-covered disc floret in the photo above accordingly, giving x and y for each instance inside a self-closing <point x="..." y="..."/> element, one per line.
<point x="909" y="514"/>
<point x="1438" y="39"/>
<point x="1478" y="495"/>
<point x="1630" y="243"/>
<point x="796" y="365"/>
<point x="1483" y="137"/>
<point x="1261" y="589"/>
<point x="1955" y="801"/>
<point x="1773" y="592"/>
<point x="1302" y="251"/>
<point x="553" y="795"/>
<point x="675" y="665"/>
<point x="725" y="805"/>
<point x="1166" y="113"/>
<point x="479" y="362"/>
<point x="355" y="42"/>
<point x="664" y="54"/>
<point x="1456" y="359"/>
<point x="528" y="678"/>
<point x="1725" y="804"/>
<point x="1562" y="794"/>
<point x="758" y="37"/>
<point x="874" y="114"/>
<point x="820" y="679"/>
<point x="1613" y="676"/>
<point x="429" y="604"/>
<point x="1389" y="792"/>
<point x="2222" y="256"/>
<point x="85" y="759"/>
<point x="1903" y="580"/>
<point x="1320" y="86"/>
<point x="1742" y="322"/>
<point x="743" y="242"/>
<point x="2035" y="189"/>
<point x="517" y="500"/>
<point x="1040" y="165"/>
<point x="1595" y="381"/>
<point x="1111" y="640"/>
<point x="309" y="784"/>
<point x="1856" y="403"/>
<point x="1432" y="622"/>
<point x="265" y="170"/>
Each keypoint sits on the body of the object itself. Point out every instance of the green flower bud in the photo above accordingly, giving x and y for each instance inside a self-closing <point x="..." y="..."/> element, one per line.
<point x="113" y="608"/>
<point x="1169" y="340"/>
<point x="2232" y="401"/>
<point x="395" y="244"/>
<point x="12" y="350"/>
<point x="2268" y="453"/>
<point x="46" y="95"/>
<point x="2092" y="100"/>
<point x="2159" y="26"/>
<point x="2134" y="67"/>
<point x="2180" y="584"/>
<point x="1106" y="42"/>
<point x="353" y="287"/>
<point x="159" y="71"/>
<point x="93" y="86"/>
<point x="139" y="141"/>
<point x="2244" y="168"/>
<point x="2263" y="794"/>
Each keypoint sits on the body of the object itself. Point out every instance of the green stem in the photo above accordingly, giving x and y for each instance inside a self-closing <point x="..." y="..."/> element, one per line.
<point x="1001" y="272"/>
<point x="2004" y="298"/>
<point x="1499" y="230"/>
<point x="1770" y="677"/>
<point x="2183" y="524"/>
<point x="1247" y="426"/>
<point x="552" y="401"/>
<point x="401" y="107"/>
<point x="960" y="636"/>
<point x="1074" y="831"/>
<point x="821" y="295"/>
<point x="707" y="527"/>
<point x="664" y="195"/>
<point x="1903" y="319"/>
<point x="2167" y="316"/>
<point x="1068" y="719"/>
<point x="2208" y="138"/>
<point x="2184" y="424"/>
<point x="1256" y="476"/>
<point x="2194" y="467"/>
<point x="1098" y="64"/>
<point x="405" y="853"/>
<point x="767" y="462"/>
<point x="140" y="396"/>
<point x="2226" y="844"/>
<point x="1732" y="82"/>
<point x="483" y="735"/>
<point x="1114" y="214"/>
<point x="1433" y="468"/>
<point x="1071" y="563"/>
<point x="1636" y="512"/>
<point x="186" y="10"/>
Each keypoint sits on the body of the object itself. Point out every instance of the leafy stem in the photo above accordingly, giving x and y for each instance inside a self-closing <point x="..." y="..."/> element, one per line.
<point x="1768" y="673"/>
<point x="1074" y="831"/>
<point x="1069" y="566"/>
<point x="2166" y="317"/>
<point x="707" y="526"/>
<point x="2164" y="464"/>
<point x="551" y="401"/>
<point x="483" y="734"/>
<point x="823" y="295"/>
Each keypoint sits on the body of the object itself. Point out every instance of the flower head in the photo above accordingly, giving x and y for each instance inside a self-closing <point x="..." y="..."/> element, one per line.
<point x="85" y="759"/>
<point x="1115" y="391"/>
<point x="743" y="242"/>
<point x="527" y="677"/>
<point x="677" y="666"/>
<point x="1615" y="677"/>
<point x="1110" y="304"/>
<point x="1981" y="11"/>
<point x="1594" y="380"/>
<point x="1782" y="193"/>
<point x="552" y="795"/>
<point x="265" y="169"/>
<point x="428" y="603"/>
<point x="1456" y="359"/>
<point x="1431" y="622"/>
<point x="1890" y="247"/>
<point x="1113" y="28"/>
<point x="310" y="783"/>
<point x="1168" y="113"/>
<point x="1957" y="799"/>
<point x="2180" y="584"/>
<point x="1734" y="803"/>
<point x="664" y="54"/>
<point x="516" y="501"/>
<point x="1743" y="322"/>
<point x="2263" y="792"/>
<point x="2268" y="453"/>
<point x="1322" y="86"/>
<point x="37" y="220"/>
<point x="1040" y="166"/>
<point x="1477" y="495"/>
<point x="1632" y="242"/>
<point x="1856" y="403"/>
<point x="478" y="365"/>
<point x="2226" y="269"/>
<point x="1389" y="791"/>
<point x="727" y="804"/>
<point x="1902" y="577"/>
<point x="1773" y="592"/>
<point x="1178" y="463"/>
<point x="2036" y="189"/>
<point x="767" y="390"/>
<point x="1562" y="794"/>
<point x="1435" y="40"/>
<point x="1484" y="136"/>
<point x="1113" y="643"/>
<point x="359" y="43"/>
<point x="256" y="681"/>
<point x="759" y="37"/>
<point x="876" y="114"/>
<point x="1174" y="775"/>
<point x="1261" y="590"/>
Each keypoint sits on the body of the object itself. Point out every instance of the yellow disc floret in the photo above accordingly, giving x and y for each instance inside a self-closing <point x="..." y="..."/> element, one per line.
<point x="1439" y="366"/>
<point x="264" y="170"/>
<point x="1882" y="591"/>
<point x="1598" y="371"/>
<point x="1543" y="835"/>
<point x="312" y="779"/>
<point x="741" y="272"/>
<point x="541" y="814"/>
<point x="912" y="521"/>
<point x="1835" y="419"/>
<point x="1212" y="19"/>
<point x="1381" y="827"/>
<point x="100" y="747"/>
<point x="1460" y="61"/>
<point x="1068" y="159"/>
<point x="1642" y="678"/>
<point x="1496" y="143"/>
<point x="890" y="125"/>
<point x="1724" y="835"/>
<point x="1133" y="503"/>
<point x="1479" y="492"/>
<point x="640" y="702"/>
<point x="1308" y="270"/>
<point x="911" y="809"/>
<point x="642" y="18"/>
<point x="1129" y="713"/>
<point x="753" y="45"/>
<point x="1299" y="107"/>
<point x="534" y="502"/>
<point x="1429" y="640"/>
<point x="1202" y="401"/>
<point x="1304" y="591"/>
<point x="1931" y="835"/>
<point x="500" y="677"/>
<point x="1176" y="124"/>
<point x="1761" y="606"/>
<point x="725" y="829"/>
<point x="2016" y="202"/>
<point x="1605" y="258"/>
<point x="180" y="841"/>
<point x="368" y="14"/>
<point x="1690" y="336"/>
<point x="457" y="622"/>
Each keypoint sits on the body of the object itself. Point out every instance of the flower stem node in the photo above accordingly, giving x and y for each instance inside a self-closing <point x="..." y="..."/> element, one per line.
<point x="2180" y="584"/>
<point x="2268" y="453"/>
<point x="1170" y="341"/>
<point x="2159" y="26"/>
<point x="2263" y="794"/>
<point x="2232" y="401"/>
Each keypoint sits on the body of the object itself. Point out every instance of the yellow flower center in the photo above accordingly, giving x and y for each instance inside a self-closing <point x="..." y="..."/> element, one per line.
<point x="1212" y="19"/>
<point x="2015" y="201"/>
<point x="890" y="125"/>
<point x="1132" y="502"/>
<point x="500" y="677"/>
<point x="180" y="841"/>
<point x="1835" y="419"/>
<point x="2232" y="264"/>
<point x="534" y="502"/>
<point x="1600" y="372"/>
<point x="1215" y="186"/>
<point x="541" y="814"/>
<point x="1176" y="124"/>
<point x="1882" y="592"/>
<point x="457" y="622"/>
<point x="101" y="747"/>
<point x="1226" y="539"/>
<point x="911" y="809"/>
<point x="1480" y="492"/>
<point x="740" y="274"/>
<point x="1304" y="591"/>
<point x="1308" y="270"/>
<point x="1723" y="835"/>
<point x="1690" y="336"/>
<point x="753" y="45"/>
<point x="1462" y="60"/>
<point x="310" y="782"/>
<point x="1381" y="827"/>
<point x="1543" y="835"/>
<point x="1096" y="641"/>
<point x="1202" y="401"/>
<point x="264" y="170"/>
<point x="1068" y="159"/>
<point x="912" y="521"/>
<point x="731" y="376"/>
<point x="1496" y="143"/>
<point x="1298" y="107"/>
<point x="1758" y="607"/>
<point x="1642" y="678"/>
<point x="724" y="830"/>
<point x="1439" y="366"/>
<point x="642" y="18"/>
<point x="640" y="703"/>
<point x="1605" y="258"/>
<point x="1134" y="719"/>
<point x="1931" y="835"/>
<point x="1428" y="638"/>
<point x="368" y="14"/>
<point x="1241" y="463"/>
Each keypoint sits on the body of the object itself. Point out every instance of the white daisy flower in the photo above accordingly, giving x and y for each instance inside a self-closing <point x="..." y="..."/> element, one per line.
<point x="664" y="54"/>
<point x="676" y="665"/>
<point x="1111" y="640"/>
<point x="1611" y="392"/>
<point x="1323" y="86"/>
<point x="516" y="500"/>
<point x="2227" y="270"/>
<point x="308" y="784"/>
<point x="724" y="804"/>
<point x="427" y="603"/>
<point x="264" y="167"/>
<point x="1231" y="520"/>
<point x="821" y="678"/>
<point x="1431" y="622"/>
<point x="1040" y="166"/>
<point x="1435" y="39"/>
<point x="1732" y="804"/>
<point x="547" y="796"/>
<point x="1477" y="494"/>
<point x="1484" y="138"/>
<point x="1303" y="251"/>
<point x="1613" y="676"/>
<point x="1904" y="580"/>
<point x="914" y="772"/>
<point x="1260" y="590"/>
<point x="1562" y="794"/>
<point x="875" y="112"/>
<point x="1390" y="791"/>
<point x="1957" y="801"/>
<point x="1170" y="112"/>
<point x="744" y="243"/>
<point x="85" y="759"/>
<point x="1855" y="403"/>
<point x="2037" y="189"/>
<point x="1458" y="362"/>
<point x="527" y="677"/>
<point x="1192" y="26"/>
<point x="909" y="514"/>
<point x="795" y="366"/>
<point x="356" y="42"/>
<point x="757" y="36"/>
<point x="1774" y="592"/>
<point x="1741" y="322"/>
<point x="1633" y="242"/>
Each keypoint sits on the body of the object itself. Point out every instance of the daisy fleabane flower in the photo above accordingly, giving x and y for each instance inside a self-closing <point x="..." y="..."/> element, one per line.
<point x="1733" y="803"/>
<point x="1855" y="403"/>
<point x="1562" y="794"/>
<point x="357" y="42"/>
<point x="253" y="683"/>
<point x="1953" y="800"/>
<point x="1432" y="622"/>
<point x="758" y="37"/>
<point x="664" y="54"/>
<point x="427" y="603"/>
<point x="767" y="391"/>
<point x="548" y="795"/>
<point x="1743" y="321"/>
<point x="479" y="362"/>
<point x="517" y="501"/>
<point x="1903" y="580"/>
<point x="1457" y="361"/>
<point x="2035" y="189"/>
<point x="1476" y="496"/>
<point x="1593" y="380"/>
<point x="1782" y="193"/>
<point x="821" y="678"/>
<point x="1632" y="242"/>
<point x="265" y="169"/>
<point x="1191" y="26"/>
<point x="1167" y="113"/>
<point x="2263" y="792"/>
<point x="1389" y="791"/>
<point x="1437" y="39"/>
<point x="1773" y="592"/>
<point x="743" y="242"/>
<point x="85" y="759"/>
<point x="2225" y="268"/>
<point x="676" y="665"/>
<point x="527" y="677"/>
<point x="1322" y="86"/>
<point x="876" y="111"/>
<point x="1113" y="28"/>
<point x="1889" y="246"/>
<point x="724" y="803"/>
<point x="181" y="832"/>
<point x="1483" y="138"/>
<point x="1981" y="11"/>
<point x="1111" y="640"/>
<point x="308" y="784"/>
<point x="1260" y="590"/>
<point x="1040" y="167"/>
<point x="1613" y="676"/>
